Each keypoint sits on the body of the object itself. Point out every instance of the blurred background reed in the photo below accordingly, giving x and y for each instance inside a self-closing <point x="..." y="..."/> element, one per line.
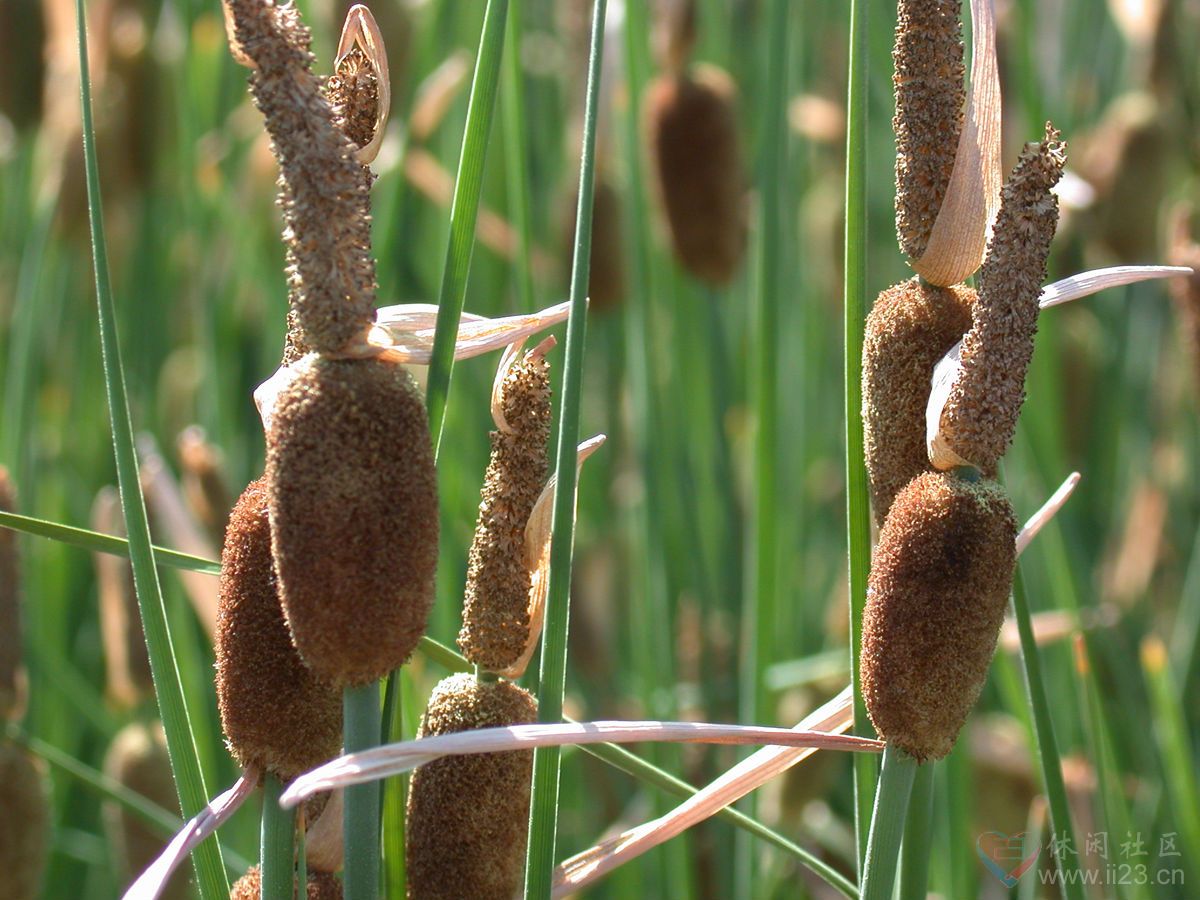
<point x="665" y="510"/>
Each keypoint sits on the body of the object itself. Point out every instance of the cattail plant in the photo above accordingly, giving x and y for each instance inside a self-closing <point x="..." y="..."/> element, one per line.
<point x="204" y="479"/>
<point x="691" y="128"/>
<point x="321" y="886"/>
<point x="25" y="823"/>
<point x="467" y="815"/>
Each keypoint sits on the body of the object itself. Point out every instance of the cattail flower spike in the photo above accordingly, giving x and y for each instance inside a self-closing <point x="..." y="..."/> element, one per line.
<point x="361" y="42"/>
<point x="507" y="360"/>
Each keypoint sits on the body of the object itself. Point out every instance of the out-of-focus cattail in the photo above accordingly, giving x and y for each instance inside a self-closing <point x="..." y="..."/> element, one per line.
<point x="205" y="485"/>
<point x="1186" y="291"/>
<point x="354" y="515"/>
<point x="137" y="759"/>
<point x="126" y="662"/>
<point x="22" y="61"/>
<point x="936" y="597"/>
<point x="276" y="713"/>
<point x="324" y="193"/>
<point x="468" y="815"/>
<point x="606" y="268"/>
<point x="12" y="675"/>
<point x="911" y="326"/>
<point x="691" y="125"/>
<point x="24" y="824"/>
<point x="496" y="620"/>
<point x="980" y="414"/>
<point x="930" y="93"/>
<point x="321" y="886"/>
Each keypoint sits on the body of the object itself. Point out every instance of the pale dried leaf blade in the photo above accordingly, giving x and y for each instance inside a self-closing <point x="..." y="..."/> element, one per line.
<point x="959" y="237"/>
<point x="405" y="333"/>
<point x="945" y="373"/>
<point x="1049" y="509"/>
<point x="836" y="716"/>
<point x="153" y="881"/>
<point x="395" y="759"/>
<point x="1087" y="283"/>
<point x="538" y="531"/>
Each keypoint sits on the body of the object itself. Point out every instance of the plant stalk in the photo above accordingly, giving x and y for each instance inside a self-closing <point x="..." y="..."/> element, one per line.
<point x="277" y="850"/>
<point x="360" y="825"/>
<point x="887" y="824"/>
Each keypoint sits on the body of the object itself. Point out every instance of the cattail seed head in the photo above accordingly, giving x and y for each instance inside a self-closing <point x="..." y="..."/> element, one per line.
<point x="277" y="714"/>
<point x="137" y="759"/>
<point x="496" y="610"/>
<point x="321" y="886"/>
<point x="468" y="815"/>
<point x="354" y="515"/>
<point x="202" y="467"/>
<point x="353" y="90"/>
<point x="930" y="95"/>
<point x="12" y="678"/>
<point x="606" y="266"/>
<point x="323" y="191"/>
<point x="692" y="129"/>
<point x="24" y="823"/>
<point x="911" y="326"/>
<point x="936" y="596"/>
<point x="980" y="415"/>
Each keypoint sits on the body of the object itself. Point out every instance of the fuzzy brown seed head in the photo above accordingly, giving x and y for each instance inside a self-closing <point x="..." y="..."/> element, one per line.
<point x="930" y="94"/>
<point x="606" y="267"/>
<point x="936" y="596"/>
<point x="911" y="326"/>
<point x="981" y="412"/>
<point x="692" y="129"/>
<point x="496" y="612"/>
<point x="277" y="714"/>
<point x="353" y="91"/>
<point x="321" y="886"/>
<point x="468" y="815"/>
<point x="137" y="759"/>
<point x="354" y="515"/>
<point x="323" y="192"/>
<point x="24" y="823"/>
<point x="12" y="693"/>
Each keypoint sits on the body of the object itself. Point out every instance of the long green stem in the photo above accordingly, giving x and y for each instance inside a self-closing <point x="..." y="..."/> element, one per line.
<point x="181" y="744"/>
<point x="464" y="209"/>
<point x="887" y="824"/>
<point x="1043" y="727"/>
<point x="543" y="818"/>
<point x="858" y="524"/>
<point x="276" y="843"/>
<point x="914" y="852"/>
<point x="360" y="825"/>
<point x="515" y="139"/>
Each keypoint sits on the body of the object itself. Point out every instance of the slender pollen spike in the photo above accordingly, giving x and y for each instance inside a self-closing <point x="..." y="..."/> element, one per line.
<point x="936" y="597"/>
<point x="980" y="415"/>
<point x="353" y="90"/>
<point x="324" y="196"/>
<point x="277" y="714"/>
<point x="354" y="515"/>
<point x="12" y="691"/>
<point x="911" y="326"/>
<point x="321" y="886"/>
<point x="24" y="824"/>
<point x="930" y="94"/>
<point x="468" y="815"/>
<point x="496" y="618"/>
<point x="692" y="129"/>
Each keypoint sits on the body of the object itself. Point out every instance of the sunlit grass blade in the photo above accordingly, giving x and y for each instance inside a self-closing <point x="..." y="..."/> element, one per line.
<point x="858" y="513"/>
<point x="361" y="821"/>
<point x="516" y="152"/>
<point x="918" y="837"/>
<point x="468" y="185"/>
<point x="543" y="814"/>
<point x="103" y="543"/>
<point x="181" y="745"/>
<point x="1047" y="745"/>
<point x="276" y="844"/>
<point x="887" y="824"/>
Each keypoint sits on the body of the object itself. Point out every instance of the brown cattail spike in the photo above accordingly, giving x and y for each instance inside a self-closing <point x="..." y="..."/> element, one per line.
<point x="321" y="886"/>
<point x="980" y="414"/>
<point x="692" y="129"/>
<point x="12" y="676"/>
<point x="468" y="815"/>
<point x="137" y="759"/>
<point x="936" y="597"/>
<point x="496" y="612"/>
<point x="1186" y="291"/>
<point x="24" y="824"/>
<point x="202" y="467"/>
<point x="277" y="714"/>
<point x="354" y="93"/>
<point x="930" y="95"/>
<point x="354" y="515"/>
<point x="324" y="196"/>
<point x="911" y="326"/>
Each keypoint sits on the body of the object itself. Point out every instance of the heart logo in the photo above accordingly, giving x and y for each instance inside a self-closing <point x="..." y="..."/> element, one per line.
<point x="998" y="852"/>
